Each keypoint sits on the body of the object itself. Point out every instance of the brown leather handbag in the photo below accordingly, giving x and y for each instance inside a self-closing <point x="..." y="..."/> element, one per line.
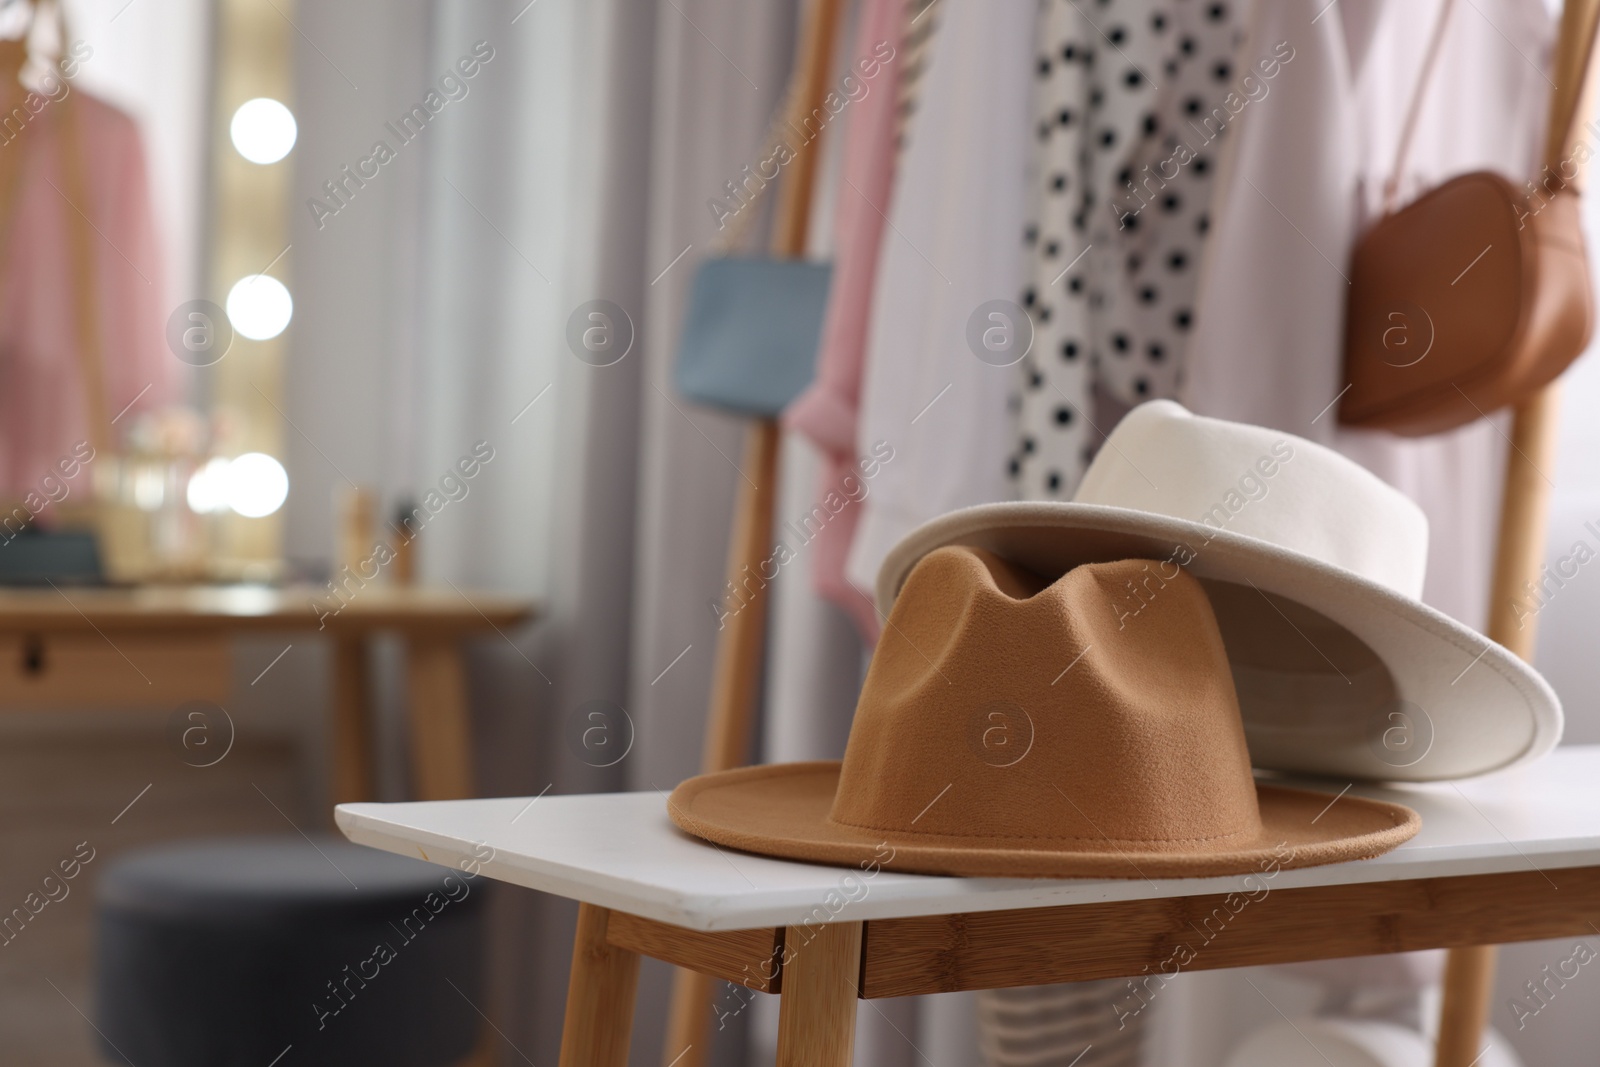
<point x="1471" y="298"/>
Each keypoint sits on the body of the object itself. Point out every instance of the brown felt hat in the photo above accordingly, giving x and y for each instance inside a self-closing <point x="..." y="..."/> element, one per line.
<point x="1015" y="725"/>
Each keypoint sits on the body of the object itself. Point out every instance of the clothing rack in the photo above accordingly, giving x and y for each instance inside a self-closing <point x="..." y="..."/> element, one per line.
<point x="1524" y="523"/>
<point x="740" y="649"/>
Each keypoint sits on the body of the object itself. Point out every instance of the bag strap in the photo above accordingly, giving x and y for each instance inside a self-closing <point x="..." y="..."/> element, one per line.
<point x="1402" y="154"/>
<point x="804" y="92"/>
<point x="734" y="237"/>
<point x="1574" y="63"/>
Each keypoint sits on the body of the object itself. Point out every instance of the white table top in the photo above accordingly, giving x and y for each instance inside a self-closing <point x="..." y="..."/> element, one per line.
<point x="621" y="851"/>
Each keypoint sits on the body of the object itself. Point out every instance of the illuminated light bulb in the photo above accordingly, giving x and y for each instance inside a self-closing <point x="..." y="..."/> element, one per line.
<point x="259" y="307"/>
<point x="263" y="130"/>
<point x="256" y="485"/>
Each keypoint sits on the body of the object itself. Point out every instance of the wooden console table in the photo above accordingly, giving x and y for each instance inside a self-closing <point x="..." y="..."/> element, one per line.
<point x="1513" y="857"/>
<point x="160" y="646"/>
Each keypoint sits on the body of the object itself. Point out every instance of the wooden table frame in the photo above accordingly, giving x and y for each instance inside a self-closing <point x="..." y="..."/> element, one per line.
<point x="160" y="646"/>
<point x="819" y="970"/>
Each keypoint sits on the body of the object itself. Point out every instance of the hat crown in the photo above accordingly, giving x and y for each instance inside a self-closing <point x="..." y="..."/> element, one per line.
<point x="1006" y="709"/>
<point x="1261" y="483"/>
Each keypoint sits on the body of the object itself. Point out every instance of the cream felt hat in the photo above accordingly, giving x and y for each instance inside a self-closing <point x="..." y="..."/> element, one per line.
<point x="1008" y="726"/>
<point x="1314" y="568"/>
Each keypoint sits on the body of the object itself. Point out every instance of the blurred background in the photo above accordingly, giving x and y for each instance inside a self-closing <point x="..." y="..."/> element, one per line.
<point x="324" y="259"/>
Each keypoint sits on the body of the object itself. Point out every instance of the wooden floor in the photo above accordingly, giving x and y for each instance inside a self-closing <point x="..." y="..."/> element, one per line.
<point x="59" y="789"/>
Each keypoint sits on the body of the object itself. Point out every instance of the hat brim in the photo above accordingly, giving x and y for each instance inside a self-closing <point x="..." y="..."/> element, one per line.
<point x="1465" y="705"/>
<point x="783" y="810"/>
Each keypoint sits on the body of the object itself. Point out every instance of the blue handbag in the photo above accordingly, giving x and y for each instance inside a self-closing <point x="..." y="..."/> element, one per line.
<point x="751" y="332"/>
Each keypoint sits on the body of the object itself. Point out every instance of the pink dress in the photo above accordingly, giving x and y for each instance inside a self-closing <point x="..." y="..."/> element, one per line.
<point x="43" y="412"/>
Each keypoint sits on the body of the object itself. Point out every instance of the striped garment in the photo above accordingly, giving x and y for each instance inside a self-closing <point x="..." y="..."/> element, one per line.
<point x="1058" y="1026"/>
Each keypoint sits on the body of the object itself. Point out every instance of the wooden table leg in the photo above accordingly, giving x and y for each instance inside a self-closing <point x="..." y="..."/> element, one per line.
<point x="600" y="994"/>
<point x="688" y="1043"/>
<point x="441" y="732"/>
<point x="1468" y="985"/>
<point x="817" y="1014"/>
<point x="351" y="756"/>
<point x="483" y="1054"/>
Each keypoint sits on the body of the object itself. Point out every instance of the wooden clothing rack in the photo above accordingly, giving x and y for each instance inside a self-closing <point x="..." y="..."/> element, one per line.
<point x="1524" y="523"/>
<point x="740" y="650"/>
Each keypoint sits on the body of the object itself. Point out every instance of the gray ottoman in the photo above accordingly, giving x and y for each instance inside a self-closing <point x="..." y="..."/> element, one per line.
<point x="279" y="952"/>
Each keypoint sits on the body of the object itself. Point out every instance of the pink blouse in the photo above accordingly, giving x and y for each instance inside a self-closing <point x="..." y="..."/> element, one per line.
<point x="826" y="412"/>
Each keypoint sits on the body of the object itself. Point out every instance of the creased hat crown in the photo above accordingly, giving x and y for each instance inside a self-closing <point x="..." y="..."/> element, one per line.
<point x="1001" y="706"/>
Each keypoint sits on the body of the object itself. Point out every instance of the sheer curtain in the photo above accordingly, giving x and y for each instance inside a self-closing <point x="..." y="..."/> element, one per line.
<point x="578" y="170"/>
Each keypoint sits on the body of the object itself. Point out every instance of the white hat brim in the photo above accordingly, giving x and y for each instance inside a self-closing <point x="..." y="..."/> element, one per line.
<point x="1460" y="705"/>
